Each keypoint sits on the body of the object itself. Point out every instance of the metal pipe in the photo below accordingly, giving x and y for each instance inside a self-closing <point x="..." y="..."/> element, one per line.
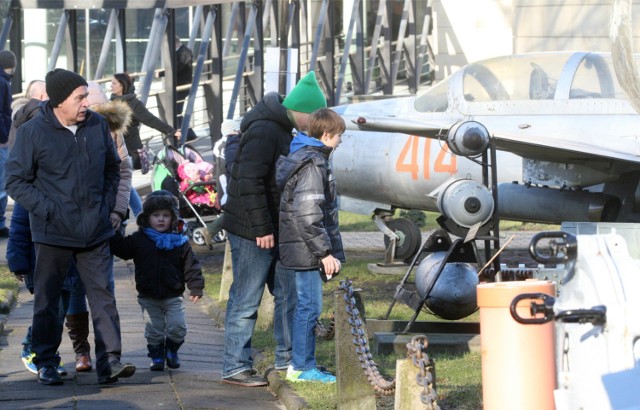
<point x="57" y="44"/>
<point x="6" y="29"/>
<point x="153" y="55"/>
<point x="204" y="45"/>
<point x="106" y="44"/>
<point x="242" y="61"/>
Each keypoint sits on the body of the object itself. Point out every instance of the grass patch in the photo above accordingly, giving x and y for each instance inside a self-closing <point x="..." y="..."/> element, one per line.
<point x="350" y="222"/>
<point x="9" y="286"/>
<point x="458" y="376"/>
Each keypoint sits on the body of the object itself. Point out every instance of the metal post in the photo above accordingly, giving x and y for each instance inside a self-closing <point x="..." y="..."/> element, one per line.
<point x="57" y="43"/>
<point x="347" y="49"/>
<point x="194" y="27"/>
<point x="382" y="13"/>
<point x="206" y="36"/>
<point x="242" y="61"/>
<point x="106" y="44"/>
<point x="317" y="38"/>
<point x="229" y="33"/>
<point x="87" y="44"/>
<point x="6" y="28"/>
<point x="155" y="38"/>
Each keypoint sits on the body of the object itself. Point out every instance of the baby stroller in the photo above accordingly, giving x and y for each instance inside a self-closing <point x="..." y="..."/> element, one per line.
<point x="189" y="177"/>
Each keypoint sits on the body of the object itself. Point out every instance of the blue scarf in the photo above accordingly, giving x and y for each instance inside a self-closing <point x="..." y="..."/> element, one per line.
<point x="166" y="241"/>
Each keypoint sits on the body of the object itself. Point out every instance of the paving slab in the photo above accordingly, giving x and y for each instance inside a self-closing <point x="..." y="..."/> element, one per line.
<point x="195" y="385"/>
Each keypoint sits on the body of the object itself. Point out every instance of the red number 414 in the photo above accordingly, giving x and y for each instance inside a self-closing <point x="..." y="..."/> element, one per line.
<point x="408" y="159"/>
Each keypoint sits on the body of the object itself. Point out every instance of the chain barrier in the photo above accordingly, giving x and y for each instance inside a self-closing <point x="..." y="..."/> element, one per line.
<point x="417" y="352"/>
<point x="379" y="384"/>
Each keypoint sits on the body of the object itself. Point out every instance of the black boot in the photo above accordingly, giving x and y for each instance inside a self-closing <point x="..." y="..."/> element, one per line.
<point x="156" y="353"/>
<point x="173" y="361"/>
<point x="78" y="329"/>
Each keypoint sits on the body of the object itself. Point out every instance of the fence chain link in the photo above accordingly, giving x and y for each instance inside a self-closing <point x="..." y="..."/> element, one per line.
<point x="417" y="352"/>
<point x="379" y="384"/>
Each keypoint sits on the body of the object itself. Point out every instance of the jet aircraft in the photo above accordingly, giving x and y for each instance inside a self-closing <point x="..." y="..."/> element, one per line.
<point x="566" y="135"/>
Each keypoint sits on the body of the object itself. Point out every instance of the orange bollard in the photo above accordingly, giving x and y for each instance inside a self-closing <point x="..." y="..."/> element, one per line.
<point x="518" y="361"/>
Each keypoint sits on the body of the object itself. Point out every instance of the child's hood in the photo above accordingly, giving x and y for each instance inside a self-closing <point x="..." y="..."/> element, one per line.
<point x="302" y="140"/>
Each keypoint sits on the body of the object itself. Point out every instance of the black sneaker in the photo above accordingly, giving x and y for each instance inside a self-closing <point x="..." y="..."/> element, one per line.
<point x="246" y="378"/>
<point x="49" y="375"/>
<point x="117" y="369"/>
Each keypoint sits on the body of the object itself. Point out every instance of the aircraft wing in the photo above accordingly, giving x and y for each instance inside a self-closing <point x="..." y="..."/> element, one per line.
<point x="553" y="148"/>
<point x="563" y="150"/>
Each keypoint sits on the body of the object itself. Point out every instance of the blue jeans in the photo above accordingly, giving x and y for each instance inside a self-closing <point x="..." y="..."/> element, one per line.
<point x="308" y="310"/>
<point x="4" y="197"/>
<point x="135" y="202"/>
<point x="251" y="266"/>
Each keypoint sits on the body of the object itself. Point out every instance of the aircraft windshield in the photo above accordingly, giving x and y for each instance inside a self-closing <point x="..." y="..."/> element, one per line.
<point x="435" y="99"/>
<point x="595" y="78"/>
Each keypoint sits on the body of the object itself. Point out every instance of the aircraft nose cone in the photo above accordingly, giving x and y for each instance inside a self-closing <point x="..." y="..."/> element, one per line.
<point x="468" y="138"/>
<point x="473" y="140"/>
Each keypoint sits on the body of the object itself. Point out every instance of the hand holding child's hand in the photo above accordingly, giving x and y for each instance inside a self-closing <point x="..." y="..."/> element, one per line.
<point x="194" y="299"/>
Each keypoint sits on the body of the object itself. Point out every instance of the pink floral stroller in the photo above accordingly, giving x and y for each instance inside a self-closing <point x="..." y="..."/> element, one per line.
<point x="190" y="178"/>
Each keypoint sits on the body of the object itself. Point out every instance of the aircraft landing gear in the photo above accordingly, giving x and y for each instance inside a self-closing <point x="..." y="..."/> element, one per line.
<point x="402" y="239"/>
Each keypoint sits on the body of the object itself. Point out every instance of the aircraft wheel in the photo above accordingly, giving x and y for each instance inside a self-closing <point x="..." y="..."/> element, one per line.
<point x="409" y="240"/>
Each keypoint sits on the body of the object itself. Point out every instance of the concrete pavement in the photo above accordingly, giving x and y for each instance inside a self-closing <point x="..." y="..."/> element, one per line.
<point x="196" y="385"/>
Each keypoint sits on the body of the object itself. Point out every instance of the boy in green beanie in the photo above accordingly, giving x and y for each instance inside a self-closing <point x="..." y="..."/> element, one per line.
<point x="251" y="221"/>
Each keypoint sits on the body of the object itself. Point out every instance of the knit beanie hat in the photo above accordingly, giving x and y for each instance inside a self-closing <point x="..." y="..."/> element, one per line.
<point x="7" y="59"/>
<point x="61" y="83"/>
<point x="306" y="96"/>
<point x="229" y="126"/>
<point x="155" y="201"/>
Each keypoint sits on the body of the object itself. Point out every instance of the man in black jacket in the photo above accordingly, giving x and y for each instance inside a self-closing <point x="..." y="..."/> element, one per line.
<point x="184" y="74"/>
<point x="64" y="170"/>
<point x="251" y="221"/>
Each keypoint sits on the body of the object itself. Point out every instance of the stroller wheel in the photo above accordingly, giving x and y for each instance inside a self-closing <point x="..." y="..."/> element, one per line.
<point x="220" y="236"/>
<point x="200" y="236"/>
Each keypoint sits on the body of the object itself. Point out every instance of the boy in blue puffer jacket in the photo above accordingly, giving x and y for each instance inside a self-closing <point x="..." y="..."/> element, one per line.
<point x="309" y="240"/>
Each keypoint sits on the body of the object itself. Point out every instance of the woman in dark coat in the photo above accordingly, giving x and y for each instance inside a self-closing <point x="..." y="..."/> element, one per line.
<point x="122" y="88"/>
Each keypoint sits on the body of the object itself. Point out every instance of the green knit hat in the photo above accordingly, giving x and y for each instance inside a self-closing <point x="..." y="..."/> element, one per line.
<point x="306" y="96"/>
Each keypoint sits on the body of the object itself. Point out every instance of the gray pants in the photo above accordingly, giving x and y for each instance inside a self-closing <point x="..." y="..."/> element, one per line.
<point x="163" y="319"/>
<point x="52" y="266"/>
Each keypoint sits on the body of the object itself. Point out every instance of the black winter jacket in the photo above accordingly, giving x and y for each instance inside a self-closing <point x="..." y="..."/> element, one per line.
<point x="140" y="115"/>
<point x="253" y="199"/>
<point x="160" y="274"/>
<point x="67" y="182"/>
<point x="5" y="106"/>
<point x="308" y="209"/>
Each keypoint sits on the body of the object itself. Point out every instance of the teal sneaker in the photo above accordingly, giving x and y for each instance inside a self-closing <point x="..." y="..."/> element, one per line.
<point x="27" y="359"/>
<point x="313" y="375"/>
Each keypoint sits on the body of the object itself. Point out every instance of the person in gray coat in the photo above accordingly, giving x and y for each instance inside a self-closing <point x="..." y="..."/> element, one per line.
<point x="64" y="170"/>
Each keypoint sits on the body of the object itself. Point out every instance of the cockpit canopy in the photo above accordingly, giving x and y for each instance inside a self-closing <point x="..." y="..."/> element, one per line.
<point x="535" y="76"/>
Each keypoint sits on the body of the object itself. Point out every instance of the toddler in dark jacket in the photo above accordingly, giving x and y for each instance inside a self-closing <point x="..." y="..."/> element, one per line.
<point x="164" y="262"/>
